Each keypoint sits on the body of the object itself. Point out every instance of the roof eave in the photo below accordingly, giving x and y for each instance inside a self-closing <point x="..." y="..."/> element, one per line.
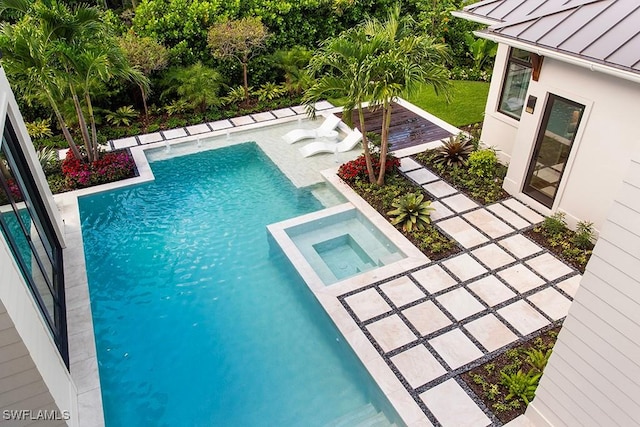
<point x="561" y="56"/>
<point x="475" y="18"/>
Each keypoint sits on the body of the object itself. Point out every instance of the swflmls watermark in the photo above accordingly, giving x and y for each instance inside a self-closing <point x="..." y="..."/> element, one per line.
<point x="35" y="415"/>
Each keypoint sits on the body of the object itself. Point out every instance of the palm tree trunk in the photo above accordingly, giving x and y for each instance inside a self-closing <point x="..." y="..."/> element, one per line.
<point x="144" y="101"/>
<point x="365" y="145"/>
<point x="92" y="121"/>
<point x="82" y="123"/>
<point x="384" y="141"/>
<point x="65" y="130"/>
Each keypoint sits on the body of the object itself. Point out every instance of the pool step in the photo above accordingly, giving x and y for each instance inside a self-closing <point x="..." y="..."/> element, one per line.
<point x="364" y="416"/>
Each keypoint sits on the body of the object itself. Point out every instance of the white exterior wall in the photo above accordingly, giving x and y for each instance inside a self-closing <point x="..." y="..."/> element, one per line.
<point x="33" y="375"/>
<point x="593" y="375"/>
<point x="499" y="130"/>
<point x="606" y="138"/>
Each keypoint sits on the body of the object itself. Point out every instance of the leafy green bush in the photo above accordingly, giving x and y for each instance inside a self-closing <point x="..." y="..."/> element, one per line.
<point x="176" y="122"/>
<point x="482" y="163"/>
<point x="554" y="224"/>
<point x="153" y="127"/>
<point x="584" y="236"/>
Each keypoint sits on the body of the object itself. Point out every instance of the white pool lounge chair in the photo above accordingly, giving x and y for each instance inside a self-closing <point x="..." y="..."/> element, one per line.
<point x="347" y="144"/>
<point x="326" y="129"/>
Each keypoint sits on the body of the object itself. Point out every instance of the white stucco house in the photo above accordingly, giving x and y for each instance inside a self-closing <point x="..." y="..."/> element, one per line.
<point x="563" y="110"/>
<point x="564" y="100"/>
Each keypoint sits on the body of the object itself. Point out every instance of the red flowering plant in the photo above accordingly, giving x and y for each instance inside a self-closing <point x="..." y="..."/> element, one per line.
<point x="109" y="167"/>
<point x="357" y="169"/>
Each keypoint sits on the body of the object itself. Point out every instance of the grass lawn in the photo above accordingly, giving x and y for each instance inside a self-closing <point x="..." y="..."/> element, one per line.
<point x="467" y="102"/>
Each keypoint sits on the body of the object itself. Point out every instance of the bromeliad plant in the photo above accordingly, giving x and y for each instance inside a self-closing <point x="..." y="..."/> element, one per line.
<point x="455" y="151"/>
<point x="411" y="211"/>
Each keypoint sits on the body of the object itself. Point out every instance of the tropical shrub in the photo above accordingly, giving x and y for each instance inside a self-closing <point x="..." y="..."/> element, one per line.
<point x="584" y="236"/>
<point x="48" y="158"/>
<point x="178" y="106"/>
<point x="357" y="169"/>
<point x="197" y="85"/>
<point x="538" y="359"/>
<point x="39" y="129"/>
<point x="521" y="385"/>
<point x="482" y="163"/>
<point x="122" y="116"/>
<point x="454" y="151"/>
<point x="270" y="91"/>
<point x="108" y="167"/>
<point x="554" y="224"/>
<point x="411" y="211"/>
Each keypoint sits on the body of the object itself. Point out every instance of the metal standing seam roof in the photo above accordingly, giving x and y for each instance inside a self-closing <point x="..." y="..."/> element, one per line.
<point x="601" y="31"/>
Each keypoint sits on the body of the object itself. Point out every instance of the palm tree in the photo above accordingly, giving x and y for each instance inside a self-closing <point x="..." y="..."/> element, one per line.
<point x="72" y="49"/>
<point x="402" y="63"/>
<point x="293" y="62"/>
<point x="376" y="62"/>
<point x="341" y="67"/>
<point x="29" y="60"/>
<point x="197" y="84"/>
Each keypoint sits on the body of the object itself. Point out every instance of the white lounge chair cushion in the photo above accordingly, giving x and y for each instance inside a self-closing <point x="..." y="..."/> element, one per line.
<point x="330" y="123"/>
<point x="347" y="144"/>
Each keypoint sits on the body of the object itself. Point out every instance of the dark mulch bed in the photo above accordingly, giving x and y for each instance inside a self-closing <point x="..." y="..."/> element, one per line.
<point x="483" y="194"/>
<point x="542" y="240"/>
<point x="431" y="241"/>
<point x="512" y="359"/>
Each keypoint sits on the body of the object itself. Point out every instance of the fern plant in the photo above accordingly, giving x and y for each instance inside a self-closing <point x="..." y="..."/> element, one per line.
<point x="538" y="359"/>
<point x="454" y="152"/>
<point x="176" y="107"/>
<point x="122" y="116"/>
<point x="411" y="211"/>
<point x="521" y="385"/>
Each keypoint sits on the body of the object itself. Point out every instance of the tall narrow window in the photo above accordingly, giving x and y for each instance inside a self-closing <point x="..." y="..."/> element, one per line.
<point x="28" y="230"/>
<point x="516" y="83"/>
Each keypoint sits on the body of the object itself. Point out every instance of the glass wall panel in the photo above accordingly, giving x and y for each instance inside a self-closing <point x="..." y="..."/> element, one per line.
<point x="30" y="236"/>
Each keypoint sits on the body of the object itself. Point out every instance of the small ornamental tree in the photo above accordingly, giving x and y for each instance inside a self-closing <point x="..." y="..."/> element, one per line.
<point x="239" y="39"/>
<point x="145" y="54"/>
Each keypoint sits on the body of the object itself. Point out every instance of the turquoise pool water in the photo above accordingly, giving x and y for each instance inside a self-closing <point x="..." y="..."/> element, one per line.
<point x="197" y="321"/>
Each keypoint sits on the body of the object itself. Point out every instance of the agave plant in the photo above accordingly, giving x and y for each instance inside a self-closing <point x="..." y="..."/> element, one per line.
<point x="455" y="151"/>
<point x="122" y="116"/>
<point x="411" y="211"/>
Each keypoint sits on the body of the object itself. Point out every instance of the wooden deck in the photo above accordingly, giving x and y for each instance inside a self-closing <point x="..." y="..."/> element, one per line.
<point x="407" y="128"/>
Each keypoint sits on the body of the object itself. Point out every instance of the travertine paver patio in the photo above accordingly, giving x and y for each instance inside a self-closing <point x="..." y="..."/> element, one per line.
<point x="433" y="323"/>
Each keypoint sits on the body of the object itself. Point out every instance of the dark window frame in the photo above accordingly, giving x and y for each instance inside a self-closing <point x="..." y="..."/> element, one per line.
<point x="503" y="88"/>
<point x="527" y="188"/>
<point x="46" y="230"/>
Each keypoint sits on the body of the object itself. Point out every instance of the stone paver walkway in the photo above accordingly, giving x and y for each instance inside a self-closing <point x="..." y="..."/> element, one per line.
<point x="434" y="323"/>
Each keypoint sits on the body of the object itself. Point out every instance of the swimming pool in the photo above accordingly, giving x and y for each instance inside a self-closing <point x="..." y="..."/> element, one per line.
<point x="197" y="323"/>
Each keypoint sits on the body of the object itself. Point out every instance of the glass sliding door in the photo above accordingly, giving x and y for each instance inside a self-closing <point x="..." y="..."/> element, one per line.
<point x="553" y="145"/>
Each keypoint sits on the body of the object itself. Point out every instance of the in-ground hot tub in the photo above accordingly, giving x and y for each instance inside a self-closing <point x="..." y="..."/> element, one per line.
<point x="334" y="244"/>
